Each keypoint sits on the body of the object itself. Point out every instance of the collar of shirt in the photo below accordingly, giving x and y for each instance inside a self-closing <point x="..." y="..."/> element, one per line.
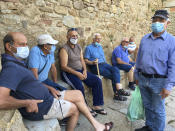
<point x="125" y="50"/>
<point x="95" y="45"/>
<point x="41" y="52"/>
<point x="9" y="57"/>
<point x="162" y="36"/>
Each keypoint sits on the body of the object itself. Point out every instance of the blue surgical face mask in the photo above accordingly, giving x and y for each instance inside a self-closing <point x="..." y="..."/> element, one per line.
<point x="157" y="27"/>
<point x="53" y="48"/>
<point x="131" y="42"/>
<point x="22" y="52"/>
<point x="126" y="47"/>
<point x="96" y="43"/>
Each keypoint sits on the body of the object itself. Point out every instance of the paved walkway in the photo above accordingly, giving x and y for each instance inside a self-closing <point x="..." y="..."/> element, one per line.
<point x="117" y="114"/>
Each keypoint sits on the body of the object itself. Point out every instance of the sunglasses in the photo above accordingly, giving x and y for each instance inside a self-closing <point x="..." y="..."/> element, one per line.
<point x="72" y="29"/>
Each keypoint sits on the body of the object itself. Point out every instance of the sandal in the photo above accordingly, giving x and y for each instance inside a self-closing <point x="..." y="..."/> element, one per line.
<point x="100" y="111"/>
<point x="94" y="114"/>
<point x="108" y="126"/>
<point x="119" y="97"/>
<point x="123" y="92"/>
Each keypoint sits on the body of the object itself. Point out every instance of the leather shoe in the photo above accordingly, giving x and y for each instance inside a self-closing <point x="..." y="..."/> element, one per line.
<point x="145" y="128"/>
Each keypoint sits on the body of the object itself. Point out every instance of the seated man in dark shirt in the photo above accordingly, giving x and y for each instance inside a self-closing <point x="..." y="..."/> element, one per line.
<point x="20" y="89"/>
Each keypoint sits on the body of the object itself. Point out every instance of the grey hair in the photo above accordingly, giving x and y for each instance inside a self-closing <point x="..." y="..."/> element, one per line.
<point x="96" y="34"/>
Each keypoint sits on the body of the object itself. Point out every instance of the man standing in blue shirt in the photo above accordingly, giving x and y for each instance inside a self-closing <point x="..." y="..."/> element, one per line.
<point x="122" y="60"/>
<point x="19" y="89"/>
<point x="94" y="55"/>
<point x="155" y="71"/>
<point x="41" y="60"/>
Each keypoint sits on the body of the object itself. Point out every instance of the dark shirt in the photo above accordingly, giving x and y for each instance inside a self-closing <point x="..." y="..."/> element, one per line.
<point x="24" y="85"/>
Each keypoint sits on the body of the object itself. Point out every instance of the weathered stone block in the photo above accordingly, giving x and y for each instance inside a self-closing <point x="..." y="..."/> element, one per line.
<point x="84" y="14"/>
<point x="10" y="19"/>
<point x="90" y="9"/>
<point x="107" y="1"/>
<point x="78" y="5"/>
<point x="11" y="120"/>
<point x="40" y="3"/>
<point x="10" y="0"/>
<point x="66" y="3"/>
<point x="43" y="125"/>
<point x="73" y="12"/>
<point x="69" y="21"/>
<point x="5" y="11"/>
<point x="32" y="11"/>
<point x="113" y="9"/>
<point x="46" y="9"/>
<point x="61" y="10"/>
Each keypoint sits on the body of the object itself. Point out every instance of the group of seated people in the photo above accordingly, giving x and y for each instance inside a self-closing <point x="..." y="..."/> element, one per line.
<point x="24" y="82"/>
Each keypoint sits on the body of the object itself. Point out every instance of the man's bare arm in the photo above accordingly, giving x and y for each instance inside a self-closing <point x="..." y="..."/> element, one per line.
<point x="35" y="72"/>
<point x="119" y="61"/>
<point x="54" y="72"/>
<point x="9" y="102"/>
<point x="82" y="61"/>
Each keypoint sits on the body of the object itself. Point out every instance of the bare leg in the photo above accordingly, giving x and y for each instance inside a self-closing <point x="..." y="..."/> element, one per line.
<point x="76" y="97"/>
<point x="131" y="75"/>
<point x="74" y="115"/>
<point x="118" y="86"/>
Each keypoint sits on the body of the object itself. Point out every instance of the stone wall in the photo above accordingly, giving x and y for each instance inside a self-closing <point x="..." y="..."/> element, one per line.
<point x="112" y="18"/>
<point x="170" y="6"/>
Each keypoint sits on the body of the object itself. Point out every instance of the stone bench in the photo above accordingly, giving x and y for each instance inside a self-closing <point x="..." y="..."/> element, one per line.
<point x="107" y="87"/>
<point x="11" y="120"/>
<point x="43" y="125"/>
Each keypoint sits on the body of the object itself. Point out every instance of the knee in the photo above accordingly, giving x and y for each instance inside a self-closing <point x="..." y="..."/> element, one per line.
<point x="116" y="70"/>
<point x="74" y="109"/>
<point x="131" y="69"/>
<point x="79" y="95"/>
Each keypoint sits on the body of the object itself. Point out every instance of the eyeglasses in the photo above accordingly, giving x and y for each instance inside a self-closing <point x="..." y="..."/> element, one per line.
<point x="126" y="41"/>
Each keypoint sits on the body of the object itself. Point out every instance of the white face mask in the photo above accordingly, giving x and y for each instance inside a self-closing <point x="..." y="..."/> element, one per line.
<point x="22" y="52"/>
<point x="73" y="41"/>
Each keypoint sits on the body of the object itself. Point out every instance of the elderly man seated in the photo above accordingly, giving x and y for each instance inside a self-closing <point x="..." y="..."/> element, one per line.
<point x="121" y="59"/>
<point x="41" y="61"/>
<point x="74" y="71"/>
<point x="132" y="48"/>
<point x="20" y="89"/>
<point x="94" y="55"/>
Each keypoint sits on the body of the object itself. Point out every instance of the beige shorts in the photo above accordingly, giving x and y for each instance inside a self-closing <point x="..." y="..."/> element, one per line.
<point x="59" y="108"/>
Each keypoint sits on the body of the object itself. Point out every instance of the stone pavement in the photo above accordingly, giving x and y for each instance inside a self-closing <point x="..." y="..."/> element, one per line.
<point x="117" y="114"/>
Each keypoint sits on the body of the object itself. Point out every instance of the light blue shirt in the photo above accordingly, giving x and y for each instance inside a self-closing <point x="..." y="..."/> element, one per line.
<point x="37" y="59"/>
<point x="93" y="52"/>
<point x="121" y="53"/>
<point x="157" y="56"/>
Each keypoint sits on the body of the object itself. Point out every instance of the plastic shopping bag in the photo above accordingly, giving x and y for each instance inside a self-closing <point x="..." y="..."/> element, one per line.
<point x="135" y="108"/>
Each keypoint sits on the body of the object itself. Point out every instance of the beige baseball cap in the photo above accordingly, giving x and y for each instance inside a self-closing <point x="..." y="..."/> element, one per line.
<point x="46" y="39"/>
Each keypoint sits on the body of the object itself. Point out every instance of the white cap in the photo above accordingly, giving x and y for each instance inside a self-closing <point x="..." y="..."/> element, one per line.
<point x="46" y="39"/>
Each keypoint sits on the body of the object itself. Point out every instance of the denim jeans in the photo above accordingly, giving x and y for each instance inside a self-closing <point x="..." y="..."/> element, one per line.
<point x="154" y="105"/>
<point x="54" y="85"/>
<point x="108" y="71"/>
<point x="125" y="67"/>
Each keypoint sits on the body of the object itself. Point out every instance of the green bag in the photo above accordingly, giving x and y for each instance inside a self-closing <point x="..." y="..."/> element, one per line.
<point x="135" y="109"/>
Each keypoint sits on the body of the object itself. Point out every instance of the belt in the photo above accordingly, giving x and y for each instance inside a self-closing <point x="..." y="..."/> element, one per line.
<point x="153" y="75"/>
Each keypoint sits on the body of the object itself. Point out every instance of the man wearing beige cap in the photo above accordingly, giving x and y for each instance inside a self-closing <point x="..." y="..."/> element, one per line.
<point x="41" y="60"/>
